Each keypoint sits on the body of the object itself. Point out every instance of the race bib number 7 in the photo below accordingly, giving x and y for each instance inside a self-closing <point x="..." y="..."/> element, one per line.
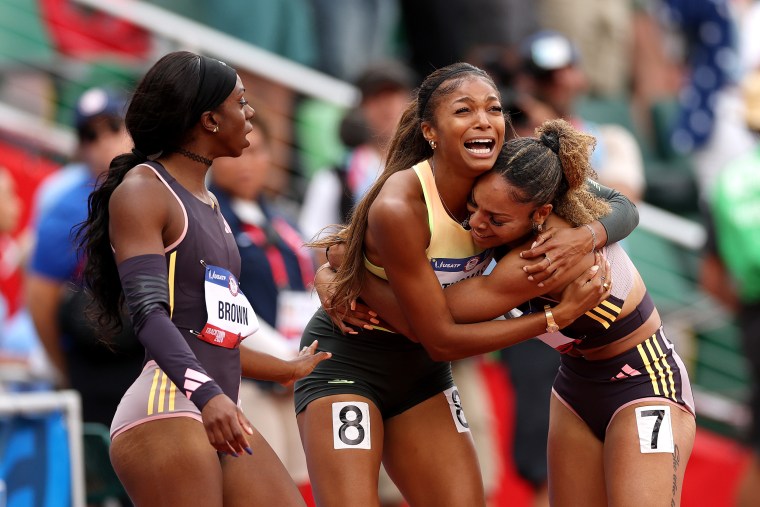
<point x="655" y="429"/>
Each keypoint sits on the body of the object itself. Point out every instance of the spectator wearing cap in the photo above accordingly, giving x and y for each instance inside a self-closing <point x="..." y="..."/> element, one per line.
<point x="385" y="89"/>
<point x="550" y="73"/>
<point x="603" y="34"/>
<point x="100" y="373"/>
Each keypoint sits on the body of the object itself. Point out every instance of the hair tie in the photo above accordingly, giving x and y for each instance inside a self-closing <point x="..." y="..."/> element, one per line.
<point x="551" y="141"/>
<point x="137" y="153"/>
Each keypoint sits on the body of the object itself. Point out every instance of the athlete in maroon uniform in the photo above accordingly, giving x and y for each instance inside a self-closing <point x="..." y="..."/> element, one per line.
<point x="155" y="240"/>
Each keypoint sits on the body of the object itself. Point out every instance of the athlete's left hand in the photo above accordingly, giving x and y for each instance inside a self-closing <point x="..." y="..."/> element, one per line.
<point x="556" y="250"/>
<point x="226" y="426"/>
<point x="308" y="359"/>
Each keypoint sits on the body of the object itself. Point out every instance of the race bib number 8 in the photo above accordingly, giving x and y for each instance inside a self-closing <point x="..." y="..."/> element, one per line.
<point x="457" y="412"/>
<point x="351" y="428"/>
<point x="655" y="429"/>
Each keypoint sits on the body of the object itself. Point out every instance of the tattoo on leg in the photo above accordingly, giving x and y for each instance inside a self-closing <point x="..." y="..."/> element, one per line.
<point x="676" y="463"/>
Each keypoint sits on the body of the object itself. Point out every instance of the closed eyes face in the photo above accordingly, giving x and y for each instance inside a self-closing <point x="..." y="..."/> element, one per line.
<point x="496" y="218"/>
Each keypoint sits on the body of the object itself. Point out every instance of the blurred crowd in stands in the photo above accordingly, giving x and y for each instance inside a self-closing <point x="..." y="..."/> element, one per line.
<point x="661" y="84"/>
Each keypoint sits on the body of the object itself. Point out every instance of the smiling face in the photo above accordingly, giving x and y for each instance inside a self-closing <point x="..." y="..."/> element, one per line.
<point x="469" y="124"/>
<point x="497" y="218"/>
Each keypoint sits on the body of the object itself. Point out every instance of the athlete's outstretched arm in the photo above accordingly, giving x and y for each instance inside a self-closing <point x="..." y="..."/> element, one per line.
<point x="263" y="366"/>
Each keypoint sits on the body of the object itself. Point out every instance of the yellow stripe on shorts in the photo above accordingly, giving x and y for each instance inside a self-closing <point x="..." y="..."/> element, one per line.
<point x="172" y="394"/>
<point x="152" y="395"/>
<point x="162" y="392"/>
<point x="648" y="366"/>
<point x="657" y="365"/>
<point x="664" y="361"/>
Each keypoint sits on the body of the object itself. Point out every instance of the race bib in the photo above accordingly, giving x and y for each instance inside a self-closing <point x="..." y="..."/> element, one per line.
<point x="457" y="412"/>
<point x="231" y="318"/>
<point x="655" y="429"/>
<point x="351" y="425"/>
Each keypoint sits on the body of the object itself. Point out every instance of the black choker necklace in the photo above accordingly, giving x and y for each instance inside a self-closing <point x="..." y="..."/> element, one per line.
<point x="194" y="156"/>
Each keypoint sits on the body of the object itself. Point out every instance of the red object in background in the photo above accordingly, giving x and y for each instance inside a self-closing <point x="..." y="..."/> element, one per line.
<point x="27" y="170"/>
<point x="513" y="490"/>
<point x="81" y="32"/>
<point x="712" y="474"/>
<point x="714" y="471"/>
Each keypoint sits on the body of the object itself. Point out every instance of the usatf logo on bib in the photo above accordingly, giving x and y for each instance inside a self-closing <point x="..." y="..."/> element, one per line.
<point x="453" y="270"/>
<point x="233" y="285"/>
<point x="471" y="264"/>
